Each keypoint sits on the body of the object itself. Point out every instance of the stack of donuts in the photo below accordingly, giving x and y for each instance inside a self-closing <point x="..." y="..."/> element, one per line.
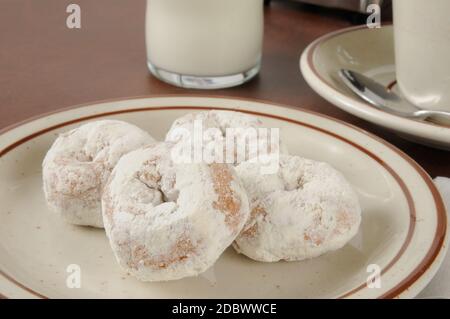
<point x="168" y="217"/>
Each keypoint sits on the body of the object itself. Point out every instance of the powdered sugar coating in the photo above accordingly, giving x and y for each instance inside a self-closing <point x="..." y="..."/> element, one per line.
<point x="303" y="211"/>
<point x="223" y="120"/>
<point x="167" y="221"/>
<point x="79" y="163"/>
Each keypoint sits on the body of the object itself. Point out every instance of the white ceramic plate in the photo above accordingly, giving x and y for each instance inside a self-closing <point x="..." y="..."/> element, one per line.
<point x="370" y="52"/>
<point x="403" y="227"/>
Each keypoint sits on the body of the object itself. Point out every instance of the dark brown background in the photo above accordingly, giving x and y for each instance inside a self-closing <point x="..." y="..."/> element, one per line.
<point x="45" y="66"/>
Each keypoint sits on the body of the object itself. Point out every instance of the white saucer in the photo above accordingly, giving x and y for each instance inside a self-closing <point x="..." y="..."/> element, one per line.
<point x="370" y="52"/>
<point x="403" y="230"/>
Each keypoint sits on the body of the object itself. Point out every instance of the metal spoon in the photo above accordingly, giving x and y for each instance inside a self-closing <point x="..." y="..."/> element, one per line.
<point x="386" y="100"/>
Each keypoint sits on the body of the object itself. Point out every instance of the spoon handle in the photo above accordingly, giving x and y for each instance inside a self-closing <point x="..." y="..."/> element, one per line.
<point x="439" y="115"/>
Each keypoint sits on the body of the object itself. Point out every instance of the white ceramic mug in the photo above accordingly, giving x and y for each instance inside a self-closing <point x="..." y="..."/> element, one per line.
<point x="204" y="43"/>
<point x="422" y="52"/>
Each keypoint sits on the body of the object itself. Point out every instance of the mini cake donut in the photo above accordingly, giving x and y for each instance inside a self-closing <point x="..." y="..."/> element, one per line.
<point x="304" y="210"/>
<point x="227" y="132"/>
<point x="166" y="221"/>
<point x="78" y="165"/>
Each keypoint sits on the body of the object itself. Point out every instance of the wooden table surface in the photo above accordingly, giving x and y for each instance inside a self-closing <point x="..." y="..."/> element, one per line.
<point x="45" y="66"/>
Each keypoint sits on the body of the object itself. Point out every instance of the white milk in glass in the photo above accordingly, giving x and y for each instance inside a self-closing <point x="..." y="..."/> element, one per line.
<point x="422" y="52"/>
<point x="204" y="43"/>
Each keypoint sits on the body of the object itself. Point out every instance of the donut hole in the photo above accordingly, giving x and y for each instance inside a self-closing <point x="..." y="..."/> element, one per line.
<point x="168" y="187"/>
<point x="295" y="184"/>
<point x="160" y="185"/>
<point x="149" y="195"/>
<point x="89" y="158"/>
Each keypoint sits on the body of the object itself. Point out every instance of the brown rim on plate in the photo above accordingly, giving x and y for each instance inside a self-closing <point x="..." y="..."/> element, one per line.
<point x="18" y="284"/>
<point x="310" y="59"/>
<point x="399" y="288"/>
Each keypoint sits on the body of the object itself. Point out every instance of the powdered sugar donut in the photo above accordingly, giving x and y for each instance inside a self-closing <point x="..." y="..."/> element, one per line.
<point x="224" y="137"/>
<point x="304" y="210"/>
<point x="79" y="163"/>
<point x="167" y="221"/>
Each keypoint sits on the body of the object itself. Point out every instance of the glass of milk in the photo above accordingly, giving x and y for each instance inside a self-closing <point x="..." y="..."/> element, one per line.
<point x="422" y="52"/>
<point x="204" y="44"/>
